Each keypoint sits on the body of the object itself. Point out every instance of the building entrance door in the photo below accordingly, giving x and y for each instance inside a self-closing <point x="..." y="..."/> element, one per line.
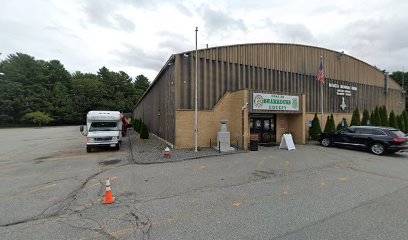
<point x="264" y="127"/>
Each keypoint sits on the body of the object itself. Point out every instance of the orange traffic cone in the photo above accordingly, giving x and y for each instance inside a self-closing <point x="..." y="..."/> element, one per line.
<point x="108" y="199"/>
<point x="167" y="153"/>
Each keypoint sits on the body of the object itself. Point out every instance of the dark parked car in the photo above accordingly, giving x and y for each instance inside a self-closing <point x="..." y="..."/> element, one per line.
<point x="379" y="140"/>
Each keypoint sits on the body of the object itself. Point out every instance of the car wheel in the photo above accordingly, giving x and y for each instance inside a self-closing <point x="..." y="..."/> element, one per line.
<point x="326" y="142"/>
<point x="88" y="149"/>
<point x="377" y="149"/>
<point x="117" y="146"/>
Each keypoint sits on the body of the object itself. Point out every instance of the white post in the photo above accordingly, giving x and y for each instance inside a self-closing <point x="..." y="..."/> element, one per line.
<point x="321" y="95"/>
<point x="196" y="93"/>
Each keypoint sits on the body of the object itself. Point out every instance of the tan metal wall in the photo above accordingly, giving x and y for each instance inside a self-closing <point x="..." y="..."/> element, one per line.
<point x="271" y="67"/>
<point x="157" y="107"/>
<point x="281" y="68"/>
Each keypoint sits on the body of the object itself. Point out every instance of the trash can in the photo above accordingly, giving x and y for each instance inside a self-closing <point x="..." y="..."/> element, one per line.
<point x="253" y="142"/>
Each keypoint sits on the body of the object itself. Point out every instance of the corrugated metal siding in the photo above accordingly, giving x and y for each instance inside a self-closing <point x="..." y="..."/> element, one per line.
<point x="157" y="108"/>
<point x="281" y="68"/>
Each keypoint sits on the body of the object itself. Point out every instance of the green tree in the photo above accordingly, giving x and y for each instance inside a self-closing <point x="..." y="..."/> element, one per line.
<point x="366" y="118"/>
<point x="24" y="79"/>
<point x="330" y="124"/>
<point x="38" y="117"/>
<point x="46" y="86"/>
<point x="315" y="130"/>
<point x="393" y="120"/>
<point x="400" y="77"/>
<point x="355" y="118"/>
<point x="141" y="83"/>
<point x="383" y="116"/>
<point x="400" y="123"/>
<point x="326" y="126"/>
<point x="144" y="133"/>
<point x="339" y="126"/>
<point x="376" y="119"/>
<point x="404" y="117"/>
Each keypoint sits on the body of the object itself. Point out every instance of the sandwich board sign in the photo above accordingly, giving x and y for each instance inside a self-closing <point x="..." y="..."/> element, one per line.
<point x="287" y="142"/>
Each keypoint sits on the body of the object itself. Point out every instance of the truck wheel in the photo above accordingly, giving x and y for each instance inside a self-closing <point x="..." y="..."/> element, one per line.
<point x="117" y="147"/>
<point x="88" y="148"/>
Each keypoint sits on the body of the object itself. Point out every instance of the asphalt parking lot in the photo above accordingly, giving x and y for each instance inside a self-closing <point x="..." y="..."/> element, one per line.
<point x="52" y="189"/>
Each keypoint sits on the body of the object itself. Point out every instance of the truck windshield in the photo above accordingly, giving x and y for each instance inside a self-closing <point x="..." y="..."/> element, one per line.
<point x="103" y="126"/>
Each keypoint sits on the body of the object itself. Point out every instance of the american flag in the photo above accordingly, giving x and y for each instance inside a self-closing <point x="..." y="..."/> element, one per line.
<point x="320" y="75"/>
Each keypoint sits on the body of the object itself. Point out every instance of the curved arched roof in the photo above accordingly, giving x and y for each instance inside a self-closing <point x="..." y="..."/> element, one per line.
<point x="300" y="59"/>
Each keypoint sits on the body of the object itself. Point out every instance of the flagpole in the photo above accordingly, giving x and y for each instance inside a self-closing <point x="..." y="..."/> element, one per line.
<point x="196" y="93"/>
<point x="321" y="95"/>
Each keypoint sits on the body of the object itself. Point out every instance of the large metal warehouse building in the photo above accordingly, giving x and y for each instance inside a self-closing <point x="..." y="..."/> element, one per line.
<point x="278" y="81"/>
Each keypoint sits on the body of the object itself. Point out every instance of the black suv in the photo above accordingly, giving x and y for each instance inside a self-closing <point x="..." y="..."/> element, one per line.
<point x="379" y="140"/>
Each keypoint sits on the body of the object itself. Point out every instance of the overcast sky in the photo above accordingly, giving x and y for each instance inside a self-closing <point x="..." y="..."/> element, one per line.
<point x="138" y="36"/>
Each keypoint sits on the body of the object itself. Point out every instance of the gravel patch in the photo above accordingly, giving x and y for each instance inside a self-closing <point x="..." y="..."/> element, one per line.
<point x="150" y="151"/>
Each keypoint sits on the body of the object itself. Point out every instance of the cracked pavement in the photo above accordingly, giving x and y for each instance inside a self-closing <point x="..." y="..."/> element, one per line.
<point x="52" y="189"/>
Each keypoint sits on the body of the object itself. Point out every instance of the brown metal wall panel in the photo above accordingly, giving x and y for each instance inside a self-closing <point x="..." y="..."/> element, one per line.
<point x="282" y="68"/>
<point x="157" y="109"/>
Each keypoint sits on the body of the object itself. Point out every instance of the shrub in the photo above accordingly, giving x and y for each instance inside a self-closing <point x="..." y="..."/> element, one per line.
<point x="326" y="127"/>
<point x="375" y="117"/>
<point x="141" y="123"/>
<point x="315" y="130"/>
<point x="144" y="133"/>
<point x="366" y="118"/>
<point x="404" y="117"/>
<point x="330" y="125"/>
<point x="339" y="127"/>
<point x="393" y="120"/>
<point x="400" y="123"/>
<point x="355" y="119"/>
<point x="384" y="116"/>
<point x="38" y="117"/>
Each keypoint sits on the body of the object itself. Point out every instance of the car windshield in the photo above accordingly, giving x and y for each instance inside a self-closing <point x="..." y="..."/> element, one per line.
<point x="103" y="126"/>
<point x="397" y="133"/>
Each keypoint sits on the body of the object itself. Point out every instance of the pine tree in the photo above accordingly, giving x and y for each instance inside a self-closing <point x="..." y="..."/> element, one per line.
<point x="332" y="124"/>
<point x="326" y="127"/>
<point x="345" y="123"/>
<point x="339" y="126"/>
<point x="315" y="130"/>
<point x="144" y="133"/>
<point x="372" y="119"/>
<point x="384" y="116"/>
<point x="366" y="118"/>
<point x="393" y="120"/>
<point x="140" y="126"/>
<point x="400" y="123"/>
<point x="404" y="117"/>
<point x="377" y="117"/>
<point x="355" y="119"/>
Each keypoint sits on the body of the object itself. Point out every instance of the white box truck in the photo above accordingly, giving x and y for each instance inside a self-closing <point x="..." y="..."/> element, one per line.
<point x="103" y="128"/>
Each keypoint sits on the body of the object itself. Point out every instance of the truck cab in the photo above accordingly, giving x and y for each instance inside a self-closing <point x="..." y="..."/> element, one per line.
<point x="103" y="128"/>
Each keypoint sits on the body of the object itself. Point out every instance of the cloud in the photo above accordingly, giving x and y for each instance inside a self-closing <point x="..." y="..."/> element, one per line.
<point x="174" y="42"/>
<point x="288" y="32"/>
<point x="382" y="42"/>
<point x="296" y="33"/>
<point x="123" y="23"/>
<point x="183" y="9"/>
<point x="137" y="57"/>
<point x="105" y="13"/>
<point x="218" y="22"/>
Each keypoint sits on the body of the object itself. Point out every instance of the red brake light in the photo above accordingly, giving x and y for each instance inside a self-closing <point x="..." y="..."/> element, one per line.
<point x="399" y="140"/>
